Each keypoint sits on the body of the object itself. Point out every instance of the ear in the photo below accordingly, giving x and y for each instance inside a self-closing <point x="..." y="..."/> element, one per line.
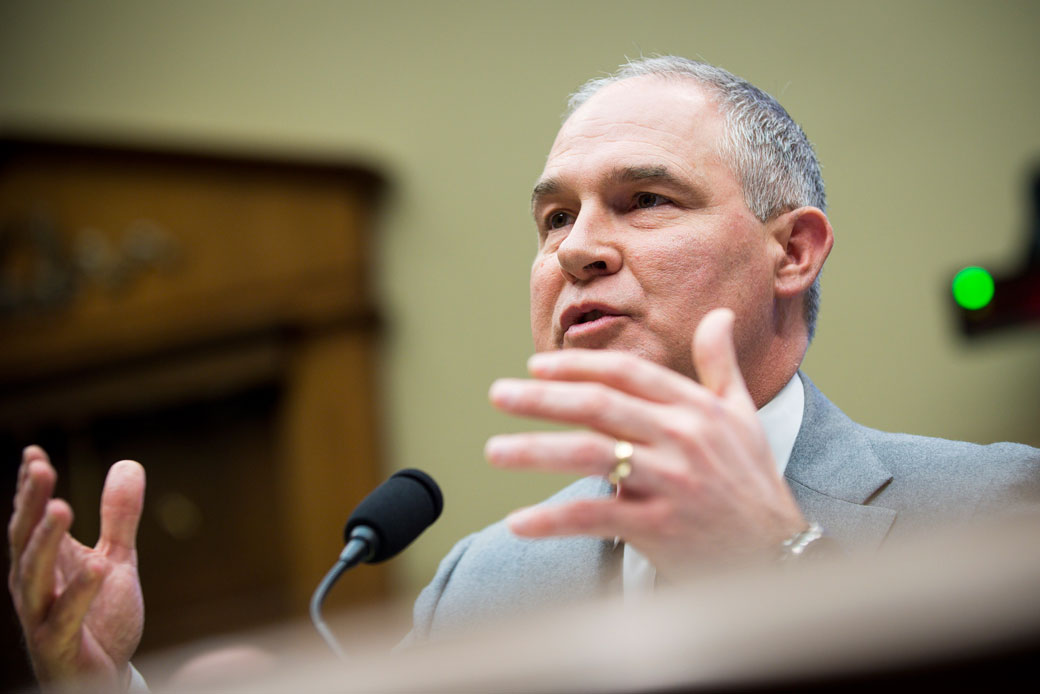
<point x="804" y="237"/>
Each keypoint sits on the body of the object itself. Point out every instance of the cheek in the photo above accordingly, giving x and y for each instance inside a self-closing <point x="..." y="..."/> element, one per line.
<point x="675" y="274"/>
<point x="689" y="276"/>
<point x="546" y="281"/>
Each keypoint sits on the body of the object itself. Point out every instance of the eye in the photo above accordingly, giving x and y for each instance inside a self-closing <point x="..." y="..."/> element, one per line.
<point x="646" y="200"/>
<point x="558" y="220"/>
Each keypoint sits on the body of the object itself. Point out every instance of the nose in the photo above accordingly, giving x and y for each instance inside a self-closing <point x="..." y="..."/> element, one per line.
<point x="590" y="249"/>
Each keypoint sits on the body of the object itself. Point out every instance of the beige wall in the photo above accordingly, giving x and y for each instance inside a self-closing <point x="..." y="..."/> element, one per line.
<point x="924" y="115"/>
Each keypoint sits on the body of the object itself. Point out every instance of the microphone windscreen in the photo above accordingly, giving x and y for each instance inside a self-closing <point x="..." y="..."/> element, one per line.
<point x="397" y="511"/>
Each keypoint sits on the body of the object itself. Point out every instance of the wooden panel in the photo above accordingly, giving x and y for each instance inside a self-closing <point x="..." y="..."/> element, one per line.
<point x="239" y="369"/>
<point x="329" y="421"/>
<point x="249" y="244"/>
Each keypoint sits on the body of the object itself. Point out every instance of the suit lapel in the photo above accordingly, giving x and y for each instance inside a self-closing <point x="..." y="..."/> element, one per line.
<point x="834" y="473"/>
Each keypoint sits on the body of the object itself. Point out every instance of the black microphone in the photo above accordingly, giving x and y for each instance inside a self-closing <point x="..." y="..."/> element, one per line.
<point x="396" y="513"/>
<point x="385" y="522"/>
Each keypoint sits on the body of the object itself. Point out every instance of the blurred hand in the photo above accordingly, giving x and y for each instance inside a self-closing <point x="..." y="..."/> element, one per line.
<point x="80" y="608"/>
<point x="704" y="486"/>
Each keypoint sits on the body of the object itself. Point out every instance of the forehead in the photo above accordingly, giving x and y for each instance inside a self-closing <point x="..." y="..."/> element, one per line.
<point x="643" y="121"/>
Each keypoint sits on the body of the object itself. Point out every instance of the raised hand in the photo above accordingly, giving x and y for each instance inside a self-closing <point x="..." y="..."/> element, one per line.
<point x="704" y="486"/>
<point x="80" y="608"/>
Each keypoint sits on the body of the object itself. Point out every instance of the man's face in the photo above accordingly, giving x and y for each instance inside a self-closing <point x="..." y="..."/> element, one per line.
<point x="643" y="229"/>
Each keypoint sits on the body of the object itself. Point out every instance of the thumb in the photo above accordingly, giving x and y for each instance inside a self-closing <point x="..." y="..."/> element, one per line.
<point x="122" y="502"/>
<point x="715" y="357"/>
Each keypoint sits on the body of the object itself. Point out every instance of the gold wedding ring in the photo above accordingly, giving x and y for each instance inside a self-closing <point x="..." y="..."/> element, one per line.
<point x="623" y="451"/>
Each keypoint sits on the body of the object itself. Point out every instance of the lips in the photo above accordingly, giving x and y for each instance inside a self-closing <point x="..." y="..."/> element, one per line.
<point x="580" y="314"/>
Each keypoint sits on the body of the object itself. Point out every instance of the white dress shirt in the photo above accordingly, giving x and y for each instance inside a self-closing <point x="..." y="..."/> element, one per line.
<point x="782" y="418"/>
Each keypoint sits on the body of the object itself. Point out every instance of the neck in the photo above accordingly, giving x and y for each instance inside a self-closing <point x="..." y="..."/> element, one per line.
<point x="767" y="372"/>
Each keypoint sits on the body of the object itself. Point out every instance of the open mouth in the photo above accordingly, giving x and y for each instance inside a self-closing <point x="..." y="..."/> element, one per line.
<point x="578" y="315"/>
<point x="589" y="317"/>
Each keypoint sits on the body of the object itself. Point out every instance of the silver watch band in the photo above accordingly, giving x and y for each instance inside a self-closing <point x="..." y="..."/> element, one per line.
<point x="795" y="546"/>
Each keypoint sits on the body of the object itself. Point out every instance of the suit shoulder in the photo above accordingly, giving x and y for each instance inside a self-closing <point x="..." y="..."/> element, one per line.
<point x="976" y="476"/>
<point x="824" y="423"/>
<point x="923" y="452"/>
<point x="926" y="477"/>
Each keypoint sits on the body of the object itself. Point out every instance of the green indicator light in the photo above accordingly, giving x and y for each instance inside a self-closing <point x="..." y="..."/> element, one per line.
<point x="973" y="288"/>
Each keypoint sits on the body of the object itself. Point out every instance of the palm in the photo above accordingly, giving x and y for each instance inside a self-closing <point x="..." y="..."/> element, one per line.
<point x="112" y="627"/>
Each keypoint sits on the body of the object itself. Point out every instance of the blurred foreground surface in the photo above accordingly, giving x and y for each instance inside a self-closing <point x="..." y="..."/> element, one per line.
<point x="958" y="608"/>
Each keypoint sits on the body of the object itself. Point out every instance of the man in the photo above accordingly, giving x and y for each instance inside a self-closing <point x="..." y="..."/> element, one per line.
<point x="673" y="189"/>
<point x="681" y="233"/>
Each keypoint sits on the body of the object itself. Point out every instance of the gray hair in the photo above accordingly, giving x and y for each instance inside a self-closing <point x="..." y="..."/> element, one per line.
<point x="766" y="149"/>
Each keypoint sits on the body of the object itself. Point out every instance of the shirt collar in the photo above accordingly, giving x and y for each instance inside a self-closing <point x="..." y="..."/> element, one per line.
<point x="781" y="417"/>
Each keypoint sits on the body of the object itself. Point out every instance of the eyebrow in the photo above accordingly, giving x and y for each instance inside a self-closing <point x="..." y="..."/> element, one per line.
<point x="623" y="174"/>
<point x="546" y="186"/>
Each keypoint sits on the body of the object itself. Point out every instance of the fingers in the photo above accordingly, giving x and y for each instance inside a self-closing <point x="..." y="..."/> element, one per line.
<point x="34" y="577"/>
<point x="122" y="501"/>
<point x="587" y="404"/>
<point x="599" y="517"/>
<point x="580" y="452"/>
<point x="35" y="487"/>
<point x="29" y="454"/>
<point x="70" y="609"/>
<point x="55" y="644"/>
<point x="619" y="370"/>
<point x="715" y="357"/>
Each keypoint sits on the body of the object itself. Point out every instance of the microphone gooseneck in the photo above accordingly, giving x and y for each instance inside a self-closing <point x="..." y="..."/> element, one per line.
<point x="358" y="549"/>
<point x="384" y="523"/>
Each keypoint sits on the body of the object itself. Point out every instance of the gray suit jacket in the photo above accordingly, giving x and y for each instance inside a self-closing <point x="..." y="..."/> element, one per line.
<point x="863" y="486"/>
